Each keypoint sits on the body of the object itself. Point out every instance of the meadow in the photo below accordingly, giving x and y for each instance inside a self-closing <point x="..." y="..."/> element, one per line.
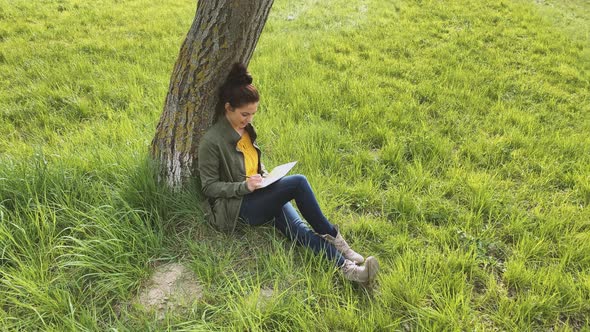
<point x="448" y="138"/>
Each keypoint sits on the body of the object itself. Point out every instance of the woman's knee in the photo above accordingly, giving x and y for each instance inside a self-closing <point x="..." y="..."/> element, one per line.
<point x="300" y="178"/>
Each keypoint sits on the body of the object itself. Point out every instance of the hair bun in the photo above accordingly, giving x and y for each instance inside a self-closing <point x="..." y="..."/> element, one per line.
<point x="238" y="75"/>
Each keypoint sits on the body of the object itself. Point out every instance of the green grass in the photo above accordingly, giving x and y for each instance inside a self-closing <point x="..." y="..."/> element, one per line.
<point x="450" y="139"/>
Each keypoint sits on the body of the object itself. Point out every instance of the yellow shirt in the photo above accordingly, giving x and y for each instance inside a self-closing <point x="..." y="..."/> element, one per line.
<point x="250" y="154"/>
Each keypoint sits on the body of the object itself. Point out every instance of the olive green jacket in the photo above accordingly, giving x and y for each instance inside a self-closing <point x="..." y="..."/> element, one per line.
<point x="223" y="173"/>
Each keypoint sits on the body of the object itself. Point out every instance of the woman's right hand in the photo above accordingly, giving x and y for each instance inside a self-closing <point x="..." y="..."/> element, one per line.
<point x="254" y="182"/>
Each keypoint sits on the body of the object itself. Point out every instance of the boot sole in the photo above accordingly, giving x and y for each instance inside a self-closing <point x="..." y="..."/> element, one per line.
<point x="372" y="266"/>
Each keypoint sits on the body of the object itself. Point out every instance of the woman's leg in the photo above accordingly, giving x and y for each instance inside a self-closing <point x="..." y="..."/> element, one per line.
<point x="263" y="204"/>
<point x="291" y="225"/>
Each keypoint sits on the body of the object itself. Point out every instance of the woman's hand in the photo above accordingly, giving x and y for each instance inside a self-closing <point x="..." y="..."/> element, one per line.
<point x="254" y="182"/>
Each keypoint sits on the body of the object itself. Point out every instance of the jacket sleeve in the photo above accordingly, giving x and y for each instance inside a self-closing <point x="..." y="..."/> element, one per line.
<point x="209" y="163"/>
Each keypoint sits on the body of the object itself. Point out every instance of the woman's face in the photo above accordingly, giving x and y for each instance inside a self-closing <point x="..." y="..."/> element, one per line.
<point x="240" y="117"/>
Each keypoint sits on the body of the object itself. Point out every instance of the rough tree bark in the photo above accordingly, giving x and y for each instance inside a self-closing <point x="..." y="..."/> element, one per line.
<point x="223" y="32"/>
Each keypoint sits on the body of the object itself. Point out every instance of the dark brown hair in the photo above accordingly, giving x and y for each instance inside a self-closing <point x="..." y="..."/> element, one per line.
<point x="237" y="90"/>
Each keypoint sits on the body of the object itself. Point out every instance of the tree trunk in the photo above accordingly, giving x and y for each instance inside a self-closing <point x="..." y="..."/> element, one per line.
<point x="223" y="32"/>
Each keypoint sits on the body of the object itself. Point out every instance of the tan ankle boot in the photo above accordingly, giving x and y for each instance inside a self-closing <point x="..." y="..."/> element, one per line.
<point x="343" y="247"/>
<point x="365" y="273"/>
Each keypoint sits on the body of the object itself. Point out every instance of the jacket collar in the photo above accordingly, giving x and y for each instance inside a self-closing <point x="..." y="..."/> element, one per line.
<point x="230" y="135"/>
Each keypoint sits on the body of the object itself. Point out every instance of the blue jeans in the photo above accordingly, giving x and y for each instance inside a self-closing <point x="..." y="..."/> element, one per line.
<point x="273" y="202"/>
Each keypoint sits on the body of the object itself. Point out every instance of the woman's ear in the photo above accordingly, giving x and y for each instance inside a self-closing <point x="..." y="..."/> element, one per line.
<point x="228" y="107"/>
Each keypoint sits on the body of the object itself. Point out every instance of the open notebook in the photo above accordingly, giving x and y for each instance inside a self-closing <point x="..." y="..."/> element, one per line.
<point x="277" y="173"/>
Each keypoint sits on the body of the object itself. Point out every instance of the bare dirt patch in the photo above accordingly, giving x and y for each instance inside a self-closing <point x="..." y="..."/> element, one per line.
<point x="171" y="287"/>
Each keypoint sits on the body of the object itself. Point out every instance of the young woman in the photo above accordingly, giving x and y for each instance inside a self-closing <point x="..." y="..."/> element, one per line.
<point x="231" y="175"/>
